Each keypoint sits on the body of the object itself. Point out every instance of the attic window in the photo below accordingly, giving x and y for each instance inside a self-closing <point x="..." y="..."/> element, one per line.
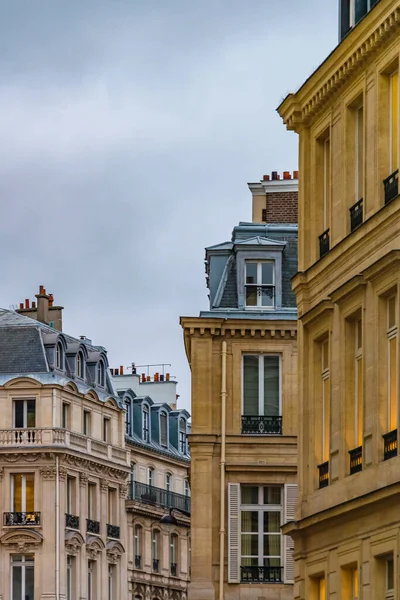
<point x="182" y="436"/>
<point x="163" y="430"/>
<point x="59" y="356"/>
<point x="260" y="284"/>
<point x="79" y="365"/>
<point x="100" y="373"/>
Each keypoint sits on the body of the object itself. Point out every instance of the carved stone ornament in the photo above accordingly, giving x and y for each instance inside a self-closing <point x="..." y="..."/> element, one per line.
<point x="138" y="589"/>
<point x="83" y="479"/>
<point x="62" y="472"/>
<point x="104" y="485"/>
<point x="48" y="473"/>
<point x="123" y="490"/>
<point x="84" y="464"/>
<point x="23" y="541"/>
<point x="1" y="473"/>
<point x="73" y="542"/>
<point x="25" y="457"/>
<point x="114" y="551"/>
<point x="94" y="547"/>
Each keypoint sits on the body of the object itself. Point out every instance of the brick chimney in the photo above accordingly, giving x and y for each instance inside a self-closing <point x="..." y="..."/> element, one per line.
<point x="43" y="309"/>
<point x="275" y="198"/>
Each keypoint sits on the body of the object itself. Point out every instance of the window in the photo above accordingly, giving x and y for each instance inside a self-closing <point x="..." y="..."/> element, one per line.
<point x="358" y="9"/>
<point x="86" y="422"/>
<point x="80" y="365"/>
<point x="112" y="590"/>
<point x="391" y="333"/>
<point x="22" y="577"/>
<point x="100" y="373"/>
<point x="187" y="488"/>
<point x="326" y="180"/>
<point x="389" y="578"/>
<point x="359" y="143"/>
<point x="70" y="577"/>
<point x="182" y="436"/>
<point x="260" y="284"/>
<point x="133" y="471"/>
<point x="71" y="496"/>
<point x="326" y="404"/>
<point x="163" y="430"/>
<point x="106" y="429"/>
<point x="261" y="385"/>
<point x="24" y="413"/>
<point x="59" y="356"/>
<point x="91" y="593"/>
<point x="65" y="415"/>
<point x="168" y="482"/>
<point x="394" y="121"/>
<point x="155" y="549"/>
<point x="321" y="588"/>
<point x="150" y="476"/>
<point x="145" y="423"/>
<point x="358" y="384"/>
<point x="173" y="554"/>
<point x="137" y="543"/>
<point x="23" y="496"/>
<point x="128" y="418"/>
<point x="91" y="497"/>
<point x="261" y="539"/>
<point x="355" y="584"/>
<point x="112" y="506"/>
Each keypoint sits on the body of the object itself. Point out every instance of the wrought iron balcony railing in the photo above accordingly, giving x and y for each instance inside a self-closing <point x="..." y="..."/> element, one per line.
<point x="355" y="460"/>
<point x="174" y="569"/>
<point x="113" y="531"/>
<point x="159" y="497"/>
<point x="390" y="444"/>
<point x="156" y="565"/>
<point x="260" y="295"/>
<point x="391" y="185"/>
<point x="323" y="478"/>
<point x="261" y="574"/>
<point x="71" y="521"/>
<point x="324" y="246"/>
<point x="261" y="425"/>
<point x="18" y="519"/>
<point x="356" y="215"/>
<point x="138" y="560"/>
<point x="92" y="526"/>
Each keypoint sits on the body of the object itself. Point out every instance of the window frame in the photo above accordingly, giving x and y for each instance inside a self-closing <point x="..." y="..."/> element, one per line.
<point x="182" y="435"/>
<point x="146" y="421"/>
<point x="24" y="499"/>
<point x="80" y="365"/>
<point x="24" y="412"/>
<point x="168" y="481"/>
<point x="26" y="561"/>
<point x="87" y="422"/>
<point x="325" y="401"/>
<point x="358" y="383"/>
<point x="101" y="374"/>
<point x="261" y="381"/>
<point x="392" y="334"/>
<point x="150" y="476"/>
<point x="137" y="539"/>
<point x="59" y="356"/>
<point x="259" y="284"/>
<point x="393" y="148"/>
<point x="164" y="418"/>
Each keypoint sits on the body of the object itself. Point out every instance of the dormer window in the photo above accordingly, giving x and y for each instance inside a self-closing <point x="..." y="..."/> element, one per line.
<point x="59" y="356"/>
<point x="100" y="373"/>
<point x="260" y="284"/>
<point x="163" y="430"/>
<point x="182" y="436"/>
<point x="80" y="365"/>
<point x="145" y="423"/>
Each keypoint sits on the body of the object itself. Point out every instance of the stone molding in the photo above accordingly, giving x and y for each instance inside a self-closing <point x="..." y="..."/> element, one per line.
<point x="23" y="541"/>
<point x="73" y="542"/>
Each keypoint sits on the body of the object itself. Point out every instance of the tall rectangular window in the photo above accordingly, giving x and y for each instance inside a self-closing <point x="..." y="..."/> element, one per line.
<point x="86" y="422"/>
<point x="71" y="496"/>
<point x="146" y="436"/>
<point x="150" y="476"/>
<point x="111" y="582"/>
<point x="22" y="577"/>
<point x="106" y="429"/>
<point x="359" y="144"/>
<point x="260" y="283"/>
<point x="70" y="577"/>
<point x="326" y="181"/>
<point x="112" y="506"/>
<point x="322" y="589"/>
<point x="163" y="429"/>
<point x="91" y="595"/>
<point x="173" y="554"/>
<point x="261" y="385"/>
<point x="65" y="415"/>
<point x="389" y="578"/>
<point x="22" y="493"/>
<point x="24" y="413"/>
<point x="91" y="498"/>
<point x="325" y="401"/>
<point x="394" y="120"/>
<point x="391" y="333"/>
<point x="182" y="436"/>
<point x="128" y="418"/>
<point x="358" y="384"/>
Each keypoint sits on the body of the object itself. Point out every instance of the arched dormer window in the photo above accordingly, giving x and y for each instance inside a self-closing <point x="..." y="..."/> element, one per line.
<point x="59" y="356"/>
<point x="163" y="430"/>
<point x="146" y="436"/>
<point x="100" y="373"/>
<point x="80" y="365"/>
<point x="182" y="436"/>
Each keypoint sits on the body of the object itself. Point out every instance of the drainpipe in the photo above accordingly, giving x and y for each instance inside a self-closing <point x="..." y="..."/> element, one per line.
<point x="54" y="407"/>
<point x="222" y="465"/>
<point x="57" y="530"/>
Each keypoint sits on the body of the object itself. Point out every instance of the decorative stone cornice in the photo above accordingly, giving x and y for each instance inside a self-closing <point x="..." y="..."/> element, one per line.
<point x="296" y="113"/>
<point x="96" y="468"/>
<point x="21" y="540"/>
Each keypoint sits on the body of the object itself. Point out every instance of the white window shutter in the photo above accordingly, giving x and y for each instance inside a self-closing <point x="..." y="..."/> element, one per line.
<point x="288" y="543"/>
<point x="233" y="533"/>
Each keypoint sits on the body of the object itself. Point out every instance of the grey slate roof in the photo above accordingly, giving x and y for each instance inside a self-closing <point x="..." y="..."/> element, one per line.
<point x="21" y="350"/>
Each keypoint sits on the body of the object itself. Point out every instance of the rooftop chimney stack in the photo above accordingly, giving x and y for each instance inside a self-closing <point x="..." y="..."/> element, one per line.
<point x="275" y="198"/>
<point x="43" y="310"/>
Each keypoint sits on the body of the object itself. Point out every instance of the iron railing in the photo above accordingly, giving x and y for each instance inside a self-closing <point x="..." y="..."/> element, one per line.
<point x="324" y="246"/>
<point x="391" y="186"/>
<point x="71" y="521"/>
<point x="138" y="560"/>
<point x="15" y="519"/>
<point x="113" y="531"/>
<point x="156" y="565"/>
<point x="390" y="444"/>
<point x="92" y="526"/>
<point x="261" y="574"/>
<point x="356" y="215"/>
<point x="355" y="460"/>
<point x="174" y="569"/>
<point x="265" y="292"/>
<point x="159" y="497"/>
<point x="261" y="425"/>
<point x="323" y="477"/>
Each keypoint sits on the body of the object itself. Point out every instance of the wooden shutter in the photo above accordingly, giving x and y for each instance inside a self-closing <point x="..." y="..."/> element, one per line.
<point x="288" y="543"/>
<point x="233" y="533"/>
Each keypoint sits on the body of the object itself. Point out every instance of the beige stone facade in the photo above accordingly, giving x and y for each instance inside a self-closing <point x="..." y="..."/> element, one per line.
<point x="347" y="525"/>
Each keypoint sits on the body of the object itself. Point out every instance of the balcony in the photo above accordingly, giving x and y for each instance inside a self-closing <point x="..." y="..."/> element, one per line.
<point x="93" y="526"/>
<point x="21" y="519"/>
<point x="356" y="215"/>
<point x="158" y="497"/>
<point x="71" y="521"/>
<point x="391" y="186"/>
<point x="324" y="243"/>
<point x="323" y="477"/>
<point x="156" y="565"/>
<point x="261" y="574"/>
<point x="138" y="561"/>
<point x="113" y="531"/>
<point x="261" y="425"/>
<point x="390" y="444"/>
<point x="355" y="460"/>
<point x="174" y="569"/>
<point x="62" y="438"/>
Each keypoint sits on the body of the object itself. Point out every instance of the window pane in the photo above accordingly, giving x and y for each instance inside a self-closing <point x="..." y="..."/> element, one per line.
<point x="249" y="562"/>
<point x="267" y="296"/>
<point x="251" y="272"/>
<point x="17" y="504"/>
<point x="250" y="385"/>
<point x="389" y="574"/>
<point x="30" y="492"/>
<point x="391" y="312"/>
<point x="267" y="270"/>
<point x="272" y="521"/>
<point x="249" y="544"/>
<point x="271" y="385"/>
<point x="249" y="494"/>
<point x="272" y="562"/>
<point x="19" y="413"/>
<point x="361" y="7"/>
<point x="394" y="118"/>
<point x="249" y="522"/>
<point x="251" y="295"/>
<point x="29" y="583"/>
<point x="30" y="417"/>
<point x="272" y="545"/>
<point x="272" y="495"/>
<point x="17" y="583"/>
<point x="392" y="383"/>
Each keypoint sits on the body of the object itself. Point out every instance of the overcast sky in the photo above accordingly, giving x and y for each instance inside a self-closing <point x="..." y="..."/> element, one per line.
<point x="128" y="132"/>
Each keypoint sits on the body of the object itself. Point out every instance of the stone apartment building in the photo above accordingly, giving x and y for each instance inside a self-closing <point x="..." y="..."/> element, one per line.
<point x="242" y="353"/>
<point x="347" y="525"/>
<point x="77" y="523"/>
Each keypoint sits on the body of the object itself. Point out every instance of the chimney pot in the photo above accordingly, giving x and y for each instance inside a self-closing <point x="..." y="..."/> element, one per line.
<point x="295" y="174"/>
<point x="155" y="376"/>
<point x="274" y="175"/>
<point x="143" y="377"/>
<point x="121" y="370"/>
<point x="161" y="377"/>
<point x="167" y="376"/>
<point x="21" y="306"/>
<point x="51" y="299"/>
<point x="41" y="290"/>
<point x="148" y="378"/>
<point x="26" y="302"/>
<point x="287" y="175"/>
<point x="133" y="369"/>
<point x="33" y="304"/>
<point x="266" y="177"/>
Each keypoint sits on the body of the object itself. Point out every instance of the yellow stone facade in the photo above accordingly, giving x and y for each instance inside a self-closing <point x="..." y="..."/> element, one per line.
<point x="347" y="525"/>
